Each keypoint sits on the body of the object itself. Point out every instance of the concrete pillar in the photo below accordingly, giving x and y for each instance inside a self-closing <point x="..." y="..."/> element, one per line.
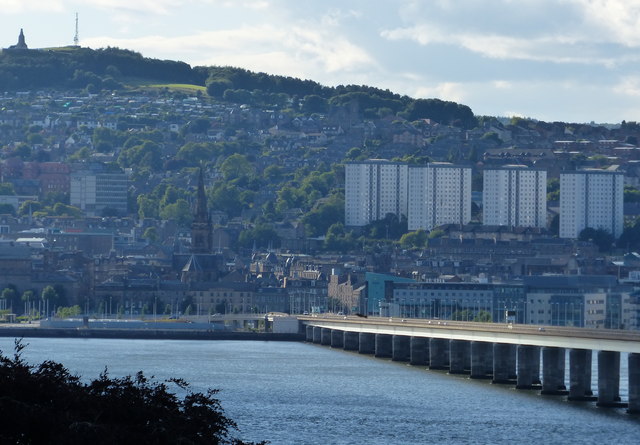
<point x="528" y="366"/>
<point x="337" y="338"/>
<point x="438" y="353"/>
<point x="317" y="334"/>
<point x="400" y="349"/>
<point x="481" y="359"/>
<point x="553" y="371"/>
<point x="459" y="356"/>
<point x="504" y="363"/>
<point x="419" y="347"/>
<point x="366" y="343"/>
<point x="351" y="341"/>
<point x="608" y="378"/>
<point x="384" y="345"/>
<point x="309" y="333"/>
<point x="634" y="384"/>
<point x="325" y="336"/>
<point x="580" y="375"/>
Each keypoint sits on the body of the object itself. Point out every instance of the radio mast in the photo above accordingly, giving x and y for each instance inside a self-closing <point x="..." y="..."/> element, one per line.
<point x="76" y="38"/>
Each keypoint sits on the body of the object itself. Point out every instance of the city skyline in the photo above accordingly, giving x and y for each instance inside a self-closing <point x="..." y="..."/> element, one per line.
<point x="571" y="60"/>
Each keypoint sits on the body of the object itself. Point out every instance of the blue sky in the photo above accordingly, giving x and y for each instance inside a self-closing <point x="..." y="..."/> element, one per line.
<point x="564" y="60"/>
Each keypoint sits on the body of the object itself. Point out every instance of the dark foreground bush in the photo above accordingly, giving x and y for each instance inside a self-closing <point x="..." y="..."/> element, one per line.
<point x="46" y="404"/>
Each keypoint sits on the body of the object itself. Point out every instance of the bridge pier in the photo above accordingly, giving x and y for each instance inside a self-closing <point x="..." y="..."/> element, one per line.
<point x="504" y="363"/>
<point x="634" y="384"/>
<point x="438" y="353"/>
<point x="580" y="375"/>
<point x="419" y="351"/>
<point x="325" y="336"/>
<point x="351" y="341"/>
<point x="309" y="333"/>
<point x="366" y="343"/>
<point x="317" y="334"/>
<point x="553" y="360"/>
<point x="608" y="379"/>
<point x="459" y="356"/>
<point x="337" y="338"/>
<point x="384" y="345"/>
<point x="481" y="359"/>
<point x="401" y="349"/>
<point x="528" y="366"/>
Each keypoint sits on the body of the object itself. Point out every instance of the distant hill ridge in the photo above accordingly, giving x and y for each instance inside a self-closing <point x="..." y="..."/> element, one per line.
<point x="113" y="68"/>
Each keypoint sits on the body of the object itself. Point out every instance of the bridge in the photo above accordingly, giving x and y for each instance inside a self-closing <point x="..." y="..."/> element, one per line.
<point x="504" y="353"/>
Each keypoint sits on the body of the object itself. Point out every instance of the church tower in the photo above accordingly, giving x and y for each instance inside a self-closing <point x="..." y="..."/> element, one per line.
<point x="201" y="230"/>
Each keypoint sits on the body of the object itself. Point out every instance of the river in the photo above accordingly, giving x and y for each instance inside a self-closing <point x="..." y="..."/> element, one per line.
<point x="297" y="393"/>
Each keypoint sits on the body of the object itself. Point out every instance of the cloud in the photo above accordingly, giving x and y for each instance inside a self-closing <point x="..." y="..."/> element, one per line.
<point x="602" y="32"/>
<point x="22" y="6"/>
<point x="262" y="48"/>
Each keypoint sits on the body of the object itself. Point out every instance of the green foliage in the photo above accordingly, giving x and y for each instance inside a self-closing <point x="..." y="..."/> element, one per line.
<point x="105" y="410"/>
<point x="226" y="198"/>
<point x="68" y="311"/>
<point x="483" y="317"/>
<point x="327" y="213"/>
<point x="178" y="211"/>
<point x="553" y="189"/>
<point x="443" y="112"/>
<point x="6" y="188"/>
<point x="80" y="67"/>
<point x="600" y="237"/>
<point x="151" y="234"/>
<point x="630" y="238"/>
<point x="195" y="153"/>
<point x="235" y="167"/>
<point x="391" y="227"/>
<point x="416" y="239"/>
<point x="339" y="240"/>
<point x="261" y="235"/>
<point x="631" y="194"/>
<point x="147" y="155"/>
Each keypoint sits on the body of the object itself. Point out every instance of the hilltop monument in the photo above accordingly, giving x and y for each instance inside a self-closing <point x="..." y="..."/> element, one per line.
<point x="22" y="44"/>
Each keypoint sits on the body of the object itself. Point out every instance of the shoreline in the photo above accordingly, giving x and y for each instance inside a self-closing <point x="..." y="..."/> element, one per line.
<point x="145" y="334"/>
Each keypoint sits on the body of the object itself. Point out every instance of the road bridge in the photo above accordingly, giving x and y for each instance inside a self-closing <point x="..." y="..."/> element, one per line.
<point x="504" y="353"/>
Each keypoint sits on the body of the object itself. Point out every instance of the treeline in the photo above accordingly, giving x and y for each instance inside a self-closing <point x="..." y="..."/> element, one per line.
<point x="111" y="68"/>
<point x="78" y="67"/>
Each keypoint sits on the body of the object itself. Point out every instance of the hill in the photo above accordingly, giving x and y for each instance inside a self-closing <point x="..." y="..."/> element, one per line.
<point x="114" y="68"/>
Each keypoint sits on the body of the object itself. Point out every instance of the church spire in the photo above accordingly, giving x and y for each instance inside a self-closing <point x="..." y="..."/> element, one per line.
<point x="201" y="230"/>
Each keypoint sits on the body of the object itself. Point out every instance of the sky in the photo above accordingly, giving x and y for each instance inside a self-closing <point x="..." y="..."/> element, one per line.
<point x="552" y="60"/>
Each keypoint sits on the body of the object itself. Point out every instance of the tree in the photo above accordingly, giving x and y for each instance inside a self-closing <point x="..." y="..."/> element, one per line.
<point x="46" y="403"/>
<point x="6" y="188"/>
<point x="416" y="239"/>
<point x="600" y="237"/>
<point x="151" y="234"/>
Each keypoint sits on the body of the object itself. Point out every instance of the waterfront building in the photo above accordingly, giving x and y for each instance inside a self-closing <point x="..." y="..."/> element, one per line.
<point x="591" y="198"/>
<point x="439" y="193"/>
<point x="373" y="189"/>
<point x="515" y="196"/>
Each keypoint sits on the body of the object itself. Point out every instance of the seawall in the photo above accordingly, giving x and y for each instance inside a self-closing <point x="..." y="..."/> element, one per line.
<point x="148" y="334"/>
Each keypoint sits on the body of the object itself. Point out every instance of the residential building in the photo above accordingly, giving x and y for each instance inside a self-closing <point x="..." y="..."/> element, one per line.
<point x="591" y="198"/>
<point x="439" y="193"/>
<point x="373" y="189"/>
<point x="515" y="196"/>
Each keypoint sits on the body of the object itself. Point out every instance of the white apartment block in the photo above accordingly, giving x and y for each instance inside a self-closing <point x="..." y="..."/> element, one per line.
<point x="591" y="198"/>
<point x="515" y="196"/>
<point x="439" y="193"/>
<point x="374" y="188"/>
